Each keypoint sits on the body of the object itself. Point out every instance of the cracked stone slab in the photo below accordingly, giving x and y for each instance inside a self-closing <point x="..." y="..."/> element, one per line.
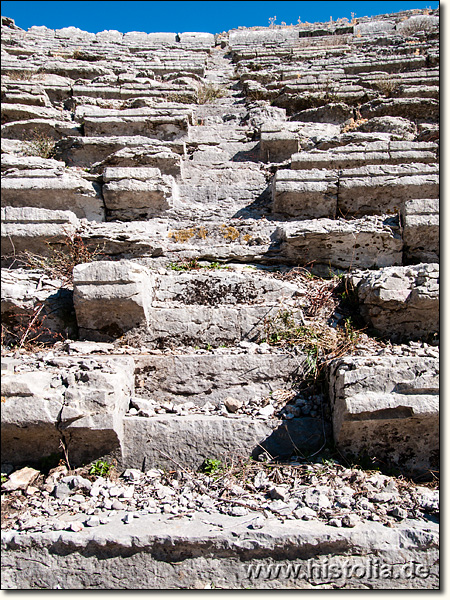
<point x="203" y="551"/>
<point x="79" y="400"/>
<point x="163" y="128"/>
<point x="401" y="302"/>
<point x="380" y="404"/>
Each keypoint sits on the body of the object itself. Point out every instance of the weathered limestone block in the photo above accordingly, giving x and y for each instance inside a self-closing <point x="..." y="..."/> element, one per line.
<point x="32" y="229"/>
<point x="376" y="189"/>
<point x="415" y="109"/>
<point x="28" y="294"/>
<point x="305" y="194"/>
<point x="74" y="69"/>
<point x="109" y="36"/>
<point x="197" y="39"/>
<point x="277" y="146"/>
<point x="84" y="151"/>
<point x="219" y="287"/>
<point x="401" y="302"/>
<point x="211" y="378"/>
<point x="195" y="325"/>
<point x="396" y="64"/>
<point x="420" y="220"/>
<point x="110" y="298"/>
<point x="74" y="33"/>
<point x="137" y="193"/>
<point x="23" y="112"/>
<point x="13" y="162"/>
<point x="163" y="128"/>
<point x="333" y="112"/>
<point x="402" y="128"/>
<point x="193" y="438"/>
<point x="371" y="153"/>
<point x="262" y="38"/>
<point x="417" y="23"/>
<point x="78" y="400"/>
<point x="55" y="193"/>
<point x="157" y="157"/>
<point x="388" y="408"/>
<point x="162" y="38"/>
<point x="371" y="241"/>
<point x="20" y="94"/>
<point x="49" y="128"/>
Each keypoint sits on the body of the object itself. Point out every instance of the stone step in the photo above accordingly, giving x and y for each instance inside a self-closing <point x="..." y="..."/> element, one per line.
<point x="418" y="109"/>
<point x="85" y="151"/>
<point x="137" y="193"/>
<point x="337" y="244"/>
<point x="359" y="155"/>
<point x="55" y="193"/>
<point x="34" y="229"/>
<point x="385" y="188"/>
<point x="132" y="91"/>
<point x="218" y="437"/>
<point x="381" y="403"/>
<point x="211" y="378"/>
<point x="305" y="194"/>
<point x="371" y="189"/>
<point x="156" y="156"/>
<point x="162" y="128"/>
<point x="400" y="302"/>
<point x="31" y="129"/>
<point x="184" y="308"/>
<point x="420" y="221"/>
<point x="220" y="551"/>
<point x="23" y="112"/>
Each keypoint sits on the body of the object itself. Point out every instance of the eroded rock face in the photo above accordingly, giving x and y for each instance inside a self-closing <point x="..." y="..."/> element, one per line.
<point x="389" y="409"/>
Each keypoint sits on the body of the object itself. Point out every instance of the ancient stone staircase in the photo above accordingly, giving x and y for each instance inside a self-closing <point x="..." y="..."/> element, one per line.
<point x="211" y="182"/>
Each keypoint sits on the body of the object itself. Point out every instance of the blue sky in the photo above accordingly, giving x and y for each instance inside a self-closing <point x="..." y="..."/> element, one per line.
<point x="177" y="17"/>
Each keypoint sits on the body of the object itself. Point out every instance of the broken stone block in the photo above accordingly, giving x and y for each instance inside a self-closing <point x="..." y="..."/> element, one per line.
<point x="111" y="298"/>
<point x="401" y="302"/>
<point x="376" y="189"/>
<point x="158" y="157"/>
<point x="387" y="408"/>
<point x="371" y="241"/>
<point x="420" y="220"/>
<point x="137" y="193"/>
<point x="305" y="194"/>
<point x="80" y="401"/>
